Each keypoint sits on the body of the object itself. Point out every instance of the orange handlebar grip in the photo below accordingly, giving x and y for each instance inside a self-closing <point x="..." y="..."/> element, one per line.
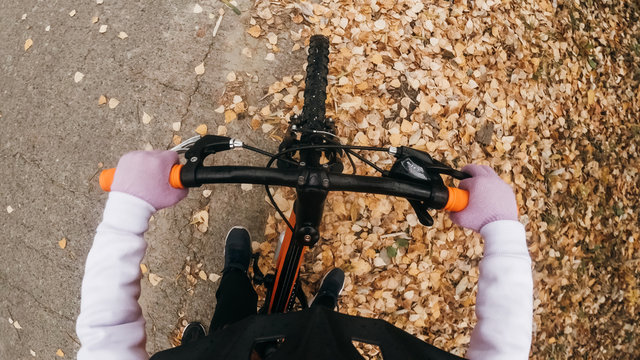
<point x="106" y="179"/>
<point x="458" y="199"/>
<point x="174" y="177"/>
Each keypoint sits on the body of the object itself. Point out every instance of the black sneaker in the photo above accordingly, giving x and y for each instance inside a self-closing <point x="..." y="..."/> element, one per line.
<point x="192" y="333"/>
<point x="330" y="288"/>
<point x="237" y="249"/>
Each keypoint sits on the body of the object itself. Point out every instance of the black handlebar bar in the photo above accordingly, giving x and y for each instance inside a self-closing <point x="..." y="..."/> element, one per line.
<point x="429" y="193"/>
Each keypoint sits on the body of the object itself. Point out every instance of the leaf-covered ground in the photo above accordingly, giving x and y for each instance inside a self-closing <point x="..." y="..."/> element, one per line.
<point x="546" y="93"/>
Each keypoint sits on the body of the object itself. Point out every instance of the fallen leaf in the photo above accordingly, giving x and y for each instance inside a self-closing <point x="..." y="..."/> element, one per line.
<point x="94" y="19"/>
<point x="231" y="76"/>
<point x="143" y="268"/>
<point x="206" y="193"/>
<point x="154" y="279"/>
<point x="376" y="59"/>
<point x="122" y="35"/>
<point x="197" y="9"/>
<point x="113" y="102"/>
<point x="9" y="209"/>
<point x="265" y="13"/>
<point x="202" y="129"/>
<point x="219" y="109"/>
<point x="214" y="277"/>
<point x="28" y="44"/>
<point x="272" y="38"/>
<point x="200" y="69"/>
<point x="176" y="140"/>
<point x="270" y="57"/>
<point x="202" y="275"/>
<point x="78" y="76"/>
<point x="72" y="13"/>
<point x="591" y="97"/>
<point x="33" y="353"/>
<point x="229" y="116"/>
<point x="102" y="100"/>
<point x="246" y="187"/>
<point x="380" y="24"/>
<point x="17" y="325"/>
<point x="103" y="29"/>
<point x="62" y="243"/>
<point x="59" y="352"/>
<point x="222" y="130"/>
<point x="146" y="118"/>
<point x="255" y="123"/>
<point x="201" y="220"/>
<point x="254" y="31"/>
<point x="176" y="126"/>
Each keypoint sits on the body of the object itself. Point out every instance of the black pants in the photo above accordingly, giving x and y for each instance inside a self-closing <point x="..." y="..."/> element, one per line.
<point x="236" y="300"/>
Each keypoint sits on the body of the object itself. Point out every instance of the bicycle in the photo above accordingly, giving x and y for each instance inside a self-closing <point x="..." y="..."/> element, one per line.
<point x="309" y="160"/>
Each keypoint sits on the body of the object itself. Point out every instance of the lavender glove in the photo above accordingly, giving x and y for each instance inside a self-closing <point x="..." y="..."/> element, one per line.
<point x="145" y="175"/>
<point x="490" y="199"/>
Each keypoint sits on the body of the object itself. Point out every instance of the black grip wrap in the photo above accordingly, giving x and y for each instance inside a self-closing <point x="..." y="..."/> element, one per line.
<point x="315" y="92"/>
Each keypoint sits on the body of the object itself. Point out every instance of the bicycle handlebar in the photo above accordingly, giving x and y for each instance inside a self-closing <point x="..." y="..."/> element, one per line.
<point x="456" y="199"/>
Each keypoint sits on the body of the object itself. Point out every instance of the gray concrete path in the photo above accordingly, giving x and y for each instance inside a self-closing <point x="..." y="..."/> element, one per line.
<point x="53" y="135"/>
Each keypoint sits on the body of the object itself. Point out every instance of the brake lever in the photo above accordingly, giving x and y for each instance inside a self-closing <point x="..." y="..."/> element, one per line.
<point x="412" y="164"/>
<point x="184" y="146"/>
<point x="199" y="150"/>
<point x="428" y="163"/>
<point x="421" y="212"/>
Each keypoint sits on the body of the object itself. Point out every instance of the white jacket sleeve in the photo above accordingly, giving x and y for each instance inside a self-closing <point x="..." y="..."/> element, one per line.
<point x="110" y="325"/>
<point x="504" y="304"/>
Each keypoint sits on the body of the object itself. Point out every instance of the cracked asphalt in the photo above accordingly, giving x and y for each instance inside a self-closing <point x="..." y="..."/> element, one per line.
<point x="55" y="136"/>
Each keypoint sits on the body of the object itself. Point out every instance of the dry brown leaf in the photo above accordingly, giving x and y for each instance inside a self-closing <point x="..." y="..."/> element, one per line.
<point x="199" y="69"/>
<point x="202" y="275"/>
<point x="143" y="268"/>
<point x="62" y="243"/>
<point x="102" y="100"/>
<point x="27" y="44"/>
<point x="591" y="97"/>
<point x="201" y="220"/>
<point x="146" y="118"/>
<point x="113" y="102"/>
<point x="229" y="116"/>
<point x="201" y="130"/>
<point x="78" y="76"/>
<point x="154" y="279"/>
<point x="254" y="31"/>
<point x="59" y="352"/>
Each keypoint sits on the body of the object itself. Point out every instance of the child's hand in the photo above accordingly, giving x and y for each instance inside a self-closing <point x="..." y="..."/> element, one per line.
<point x="145" y="175"/>
<point x="490" y="199"/>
